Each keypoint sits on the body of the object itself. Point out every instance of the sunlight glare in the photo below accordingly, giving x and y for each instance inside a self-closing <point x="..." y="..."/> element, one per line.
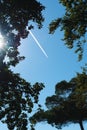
<point x="1" y="41"/>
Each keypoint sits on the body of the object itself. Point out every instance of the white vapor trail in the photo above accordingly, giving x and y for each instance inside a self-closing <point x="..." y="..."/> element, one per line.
<point x="38" y="44"/>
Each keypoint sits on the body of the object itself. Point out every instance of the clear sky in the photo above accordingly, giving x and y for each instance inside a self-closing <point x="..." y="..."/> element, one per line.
<point x="61" y="64"/>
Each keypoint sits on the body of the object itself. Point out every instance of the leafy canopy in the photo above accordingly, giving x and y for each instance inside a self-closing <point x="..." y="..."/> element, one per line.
<point x="74" y="24"/>
<point x="17" y="99"/>
<point x="17" y="96"/>
<point x="68" y="105"/>
<point x="15" y="16"/>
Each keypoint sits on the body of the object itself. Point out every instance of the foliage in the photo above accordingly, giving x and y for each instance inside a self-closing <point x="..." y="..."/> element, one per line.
<point x="17" y="99"/>
<point x="15" y="16"/>
<point x="73" y="23"/>
<point x="68" y="105"/>
<point x="17" y="96"/>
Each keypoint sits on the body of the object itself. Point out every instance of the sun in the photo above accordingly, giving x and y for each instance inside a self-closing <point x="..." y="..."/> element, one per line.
<point x="2" y="42"/>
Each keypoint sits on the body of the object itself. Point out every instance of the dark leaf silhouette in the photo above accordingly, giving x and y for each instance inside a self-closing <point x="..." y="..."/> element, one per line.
<point x="68" y="105"/>
<point x="17" y="96"/>
<point x="15" y="17"/>
<point x="17" y="99"/>
<point x="74" y="24"/>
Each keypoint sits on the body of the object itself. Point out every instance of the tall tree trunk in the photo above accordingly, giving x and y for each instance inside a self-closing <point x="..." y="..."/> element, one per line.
<point x="81" y="125"/>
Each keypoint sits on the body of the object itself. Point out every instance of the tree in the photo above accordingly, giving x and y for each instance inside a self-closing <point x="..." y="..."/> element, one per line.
<point x="17" y="96"/>
<point x="17" y="99"/>
<point x="68" y="105"/>
<point x="74" y="24"/>
<point x="15" y="16"/>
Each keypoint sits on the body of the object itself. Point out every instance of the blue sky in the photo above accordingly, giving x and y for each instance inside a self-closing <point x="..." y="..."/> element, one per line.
<point x="61" y="64"/>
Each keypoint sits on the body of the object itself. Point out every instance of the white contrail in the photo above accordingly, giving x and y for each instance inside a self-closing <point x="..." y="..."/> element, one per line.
<point x="38" y="44"/>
